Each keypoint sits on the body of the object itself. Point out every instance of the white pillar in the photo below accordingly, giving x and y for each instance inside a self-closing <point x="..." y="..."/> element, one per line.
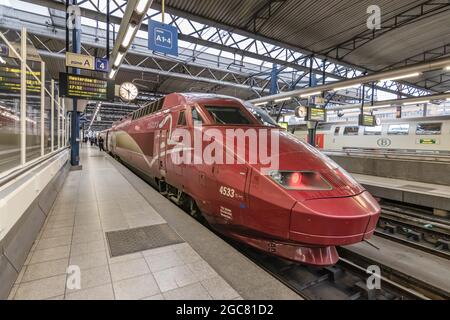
<point x="58" y="125"/>
<point x="42" y="106"/>
<point x="63" y="123"/>
<point x="23" y="97"/>
<point x="52" y="115"/>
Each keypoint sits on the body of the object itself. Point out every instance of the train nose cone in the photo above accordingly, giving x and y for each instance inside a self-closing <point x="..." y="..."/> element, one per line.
<point x="334" y="221"/>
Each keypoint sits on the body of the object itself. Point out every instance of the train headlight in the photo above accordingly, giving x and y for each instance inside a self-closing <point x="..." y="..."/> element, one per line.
<point x="300" y="180"/>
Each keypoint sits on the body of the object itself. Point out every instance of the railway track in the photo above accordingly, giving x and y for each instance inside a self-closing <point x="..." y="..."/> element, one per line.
<point x="344" y="281"/>
<point x="415" y="228"/>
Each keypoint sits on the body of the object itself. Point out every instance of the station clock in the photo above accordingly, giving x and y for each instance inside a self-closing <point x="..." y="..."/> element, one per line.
<point x="128" y="91"/>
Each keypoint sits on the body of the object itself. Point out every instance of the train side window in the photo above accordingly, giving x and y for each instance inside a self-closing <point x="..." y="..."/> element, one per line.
<point x="372" y="131"/>
<point x="336" y="131"/>
<point x="324" y="127"/>
<point x="196" y="117"/>
<point x="398" y="129"/>
<point x="428" y="129"/>
<point x="181" y="119"/>
<point x="351" y="131"/>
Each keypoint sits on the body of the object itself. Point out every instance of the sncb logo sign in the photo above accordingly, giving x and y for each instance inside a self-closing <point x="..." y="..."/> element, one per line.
<point x="384" y="142"/>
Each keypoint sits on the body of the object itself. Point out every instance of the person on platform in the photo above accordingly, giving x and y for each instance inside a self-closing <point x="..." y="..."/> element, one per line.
<point x="100" y="144"/>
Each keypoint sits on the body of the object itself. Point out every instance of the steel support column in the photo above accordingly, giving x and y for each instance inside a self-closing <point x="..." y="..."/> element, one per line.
<point x="75" y="119"/>
<point x="312" y="126"/>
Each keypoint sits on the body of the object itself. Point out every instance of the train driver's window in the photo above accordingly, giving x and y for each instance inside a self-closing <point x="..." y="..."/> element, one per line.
<point x="351" y="131"/>
<point x="336" y="131"/>
<point x="181" y="119"/>
<point x="228" y="115"/>
<point x="196" y="117"/>
<point x="398" y="129"/>
<point x="428" y="129"/>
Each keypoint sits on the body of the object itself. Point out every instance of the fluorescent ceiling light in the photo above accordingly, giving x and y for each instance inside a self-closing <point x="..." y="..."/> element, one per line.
<point x="128" y="36"/>
<point x="351" y="110"/>
<point x="306" y="95"/>
<point x="112" y="73"/>
<point x="380" y="106"/>
<point x="118" y="59"/>
<point x="142" y="4"/>
<point x="347" y="87"/>
<point x="260" y="104"/>
<point x="405" y="76"/>
<point x="416" y="102"/>
<point x="447" y="68"/>
<point x="282" y="99"/>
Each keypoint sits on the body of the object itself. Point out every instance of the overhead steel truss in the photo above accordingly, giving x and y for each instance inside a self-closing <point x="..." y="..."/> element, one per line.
<point x="244" y="45"/>
<point x="425" y="9"/>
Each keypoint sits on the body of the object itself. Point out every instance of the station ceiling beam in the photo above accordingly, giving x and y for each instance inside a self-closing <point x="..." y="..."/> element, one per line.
<point x="263" y="14"/>
<point x="404" y="72"/>
<point x="425" y="9"/>
<point x="395" y="102"/>
<point x="279" y="53"/>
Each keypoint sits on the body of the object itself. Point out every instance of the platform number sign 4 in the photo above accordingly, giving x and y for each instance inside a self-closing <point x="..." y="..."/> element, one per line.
<point x="162" y="38"/>
<point x="101" y="64"/>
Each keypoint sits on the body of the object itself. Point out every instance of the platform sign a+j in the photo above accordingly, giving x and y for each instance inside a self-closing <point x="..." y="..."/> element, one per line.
<point x="162" y="38"/>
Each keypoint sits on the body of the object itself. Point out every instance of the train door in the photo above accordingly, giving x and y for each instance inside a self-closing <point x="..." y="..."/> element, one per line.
<point x="175" y="169"/>
<point x="106" y="141"/>
<point x="162" y="151"/>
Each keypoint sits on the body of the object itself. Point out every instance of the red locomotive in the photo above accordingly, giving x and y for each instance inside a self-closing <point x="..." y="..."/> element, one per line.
<point x="300" y="210"/>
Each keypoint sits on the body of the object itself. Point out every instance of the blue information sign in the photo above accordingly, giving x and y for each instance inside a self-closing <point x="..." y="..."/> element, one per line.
<point x="101" y="64"/>
<point x="4" y="50"/>
<point x="162" y="38"/>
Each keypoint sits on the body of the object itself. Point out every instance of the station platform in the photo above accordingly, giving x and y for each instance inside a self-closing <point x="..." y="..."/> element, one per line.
<point x="96" y="222"/>
<point x="416" y="264"/>
<point x="424" y="194"/>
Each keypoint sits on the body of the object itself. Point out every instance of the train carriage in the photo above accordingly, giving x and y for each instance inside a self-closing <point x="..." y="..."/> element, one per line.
<point x="300" y="211"/>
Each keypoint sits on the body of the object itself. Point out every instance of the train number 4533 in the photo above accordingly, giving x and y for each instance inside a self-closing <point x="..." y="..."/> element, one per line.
<point x="227" y="192"/>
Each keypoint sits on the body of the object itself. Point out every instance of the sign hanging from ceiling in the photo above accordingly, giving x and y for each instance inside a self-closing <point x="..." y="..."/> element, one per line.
<point x="367" y="120"/>
<point x="162" y="38"/>
<point x="83" y="87"/>
<point x="83" y="61"/>
<point x="316" y="114"/>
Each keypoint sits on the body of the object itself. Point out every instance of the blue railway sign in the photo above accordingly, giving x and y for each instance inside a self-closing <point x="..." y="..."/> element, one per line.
<point x="162" y="38"/>
<point x="101" y="64"/>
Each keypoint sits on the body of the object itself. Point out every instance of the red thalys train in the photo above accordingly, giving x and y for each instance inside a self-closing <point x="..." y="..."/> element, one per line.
<point x="300" y="211"/>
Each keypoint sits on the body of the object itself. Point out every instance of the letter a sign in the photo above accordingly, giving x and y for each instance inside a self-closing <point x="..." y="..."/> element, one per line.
<point x="162" y="38"/>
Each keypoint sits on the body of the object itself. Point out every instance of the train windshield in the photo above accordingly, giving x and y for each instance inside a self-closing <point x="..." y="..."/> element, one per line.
<point x="228" y="115"/>
<point x="262" y="116"/>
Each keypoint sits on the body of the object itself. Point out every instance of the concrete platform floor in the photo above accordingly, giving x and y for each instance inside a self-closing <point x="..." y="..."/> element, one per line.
<point x="106" y="196"/>
<point x="418" y="264"/>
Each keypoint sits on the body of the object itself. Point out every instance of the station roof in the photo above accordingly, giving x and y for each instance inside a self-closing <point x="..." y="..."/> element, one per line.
<point x="336" y="30"/>
<point x="420" y="29"/>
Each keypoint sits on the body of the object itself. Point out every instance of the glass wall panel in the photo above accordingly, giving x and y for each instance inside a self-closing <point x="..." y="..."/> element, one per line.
<point x="55" y="121"/>
<point x="47" y="115"/>
<point x="9" y="102"/>
<point x="33" y="120"/>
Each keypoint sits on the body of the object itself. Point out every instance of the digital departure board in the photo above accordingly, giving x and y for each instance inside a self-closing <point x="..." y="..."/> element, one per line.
<point x="10" y="80"/>
<point x="83" y="87"/>
<point x="367" y="120"/>
<point x="316" y="114"/>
